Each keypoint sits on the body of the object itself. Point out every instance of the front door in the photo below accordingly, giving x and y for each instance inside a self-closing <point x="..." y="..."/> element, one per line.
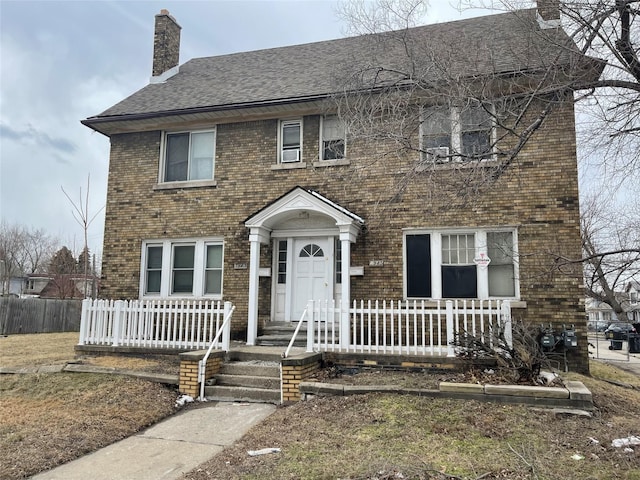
<point x="310" y="273"/>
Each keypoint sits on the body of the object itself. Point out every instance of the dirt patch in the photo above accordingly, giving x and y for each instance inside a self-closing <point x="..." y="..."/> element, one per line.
<point x="423" y="379"/>
<point x="379" y="436"/>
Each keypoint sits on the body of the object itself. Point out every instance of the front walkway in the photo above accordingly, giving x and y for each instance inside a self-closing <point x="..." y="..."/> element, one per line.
<point x="169" y="449"/>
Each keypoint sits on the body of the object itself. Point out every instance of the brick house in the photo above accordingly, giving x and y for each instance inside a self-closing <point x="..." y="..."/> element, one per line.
<point x="232" y="178"/>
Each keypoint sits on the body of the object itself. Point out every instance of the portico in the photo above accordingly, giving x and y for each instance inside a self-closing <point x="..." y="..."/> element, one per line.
<point x="312" y="239"/>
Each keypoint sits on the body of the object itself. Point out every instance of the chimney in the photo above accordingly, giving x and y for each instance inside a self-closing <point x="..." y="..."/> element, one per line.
<point x="548" y="13"/>
<point x="166" y="44"/>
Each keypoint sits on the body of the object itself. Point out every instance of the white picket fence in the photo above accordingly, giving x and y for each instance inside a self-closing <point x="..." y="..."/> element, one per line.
<point x="155" y="323"/>
<point x="407" y="327"/>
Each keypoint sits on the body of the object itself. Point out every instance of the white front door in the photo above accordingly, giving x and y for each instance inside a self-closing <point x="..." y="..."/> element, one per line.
<point x="311" y="273"/>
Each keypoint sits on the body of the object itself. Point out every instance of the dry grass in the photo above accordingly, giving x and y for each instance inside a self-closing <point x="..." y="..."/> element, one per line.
<point x="49" y="419"/>
<point x="35" y="350"/>
<point x="382" y="436"/>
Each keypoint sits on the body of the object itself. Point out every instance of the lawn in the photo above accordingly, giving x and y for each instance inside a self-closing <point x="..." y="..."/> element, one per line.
<point x="48" y="419"/>
<point x="388" y="437"/>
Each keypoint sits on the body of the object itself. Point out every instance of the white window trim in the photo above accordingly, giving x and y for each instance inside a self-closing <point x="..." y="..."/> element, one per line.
<point x="162" y="184"/>
<point x="456" y="137"/>
<point x="482" y="274"/>
<point x="167" y="268"/>
<point x="281" y="124"/>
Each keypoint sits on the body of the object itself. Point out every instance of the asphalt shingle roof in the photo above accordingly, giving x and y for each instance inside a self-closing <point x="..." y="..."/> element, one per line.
<point x="478" y="46"/>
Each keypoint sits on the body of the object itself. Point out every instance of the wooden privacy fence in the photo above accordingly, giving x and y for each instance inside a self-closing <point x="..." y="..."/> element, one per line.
<point x="154" y="323"/>
<point x="38" y="315"/>
<point x="405" y="327"/>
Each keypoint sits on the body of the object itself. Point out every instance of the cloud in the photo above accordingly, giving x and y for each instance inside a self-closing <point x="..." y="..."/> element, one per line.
<point x="33" y="136"/>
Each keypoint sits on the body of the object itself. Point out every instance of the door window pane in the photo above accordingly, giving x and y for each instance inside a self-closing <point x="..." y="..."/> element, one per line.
<point x="282" y="262"/>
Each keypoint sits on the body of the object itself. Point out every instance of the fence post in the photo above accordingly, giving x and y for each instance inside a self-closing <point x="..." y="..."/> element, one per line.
<point x="226" y="332"/>
<point x="310" y="326"/>
<point x="118" y="313"/>
<point x="84" y="320"/>
<point x="450" y="333"/>
<point x="506" y="319"/>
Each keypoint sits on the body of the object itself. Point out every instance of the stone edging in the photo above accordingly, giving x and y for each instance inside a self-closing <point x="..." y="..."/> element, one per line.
<point x="80" y="368"/>
<point x="574" y="395"/>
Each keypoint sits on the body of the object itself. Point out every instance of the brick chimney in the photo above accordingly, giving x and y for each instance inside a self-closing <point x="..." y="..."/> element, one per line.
<point x="166" y="44"/>
<point x="548" y="13"/>
<point x="549" y="10"/>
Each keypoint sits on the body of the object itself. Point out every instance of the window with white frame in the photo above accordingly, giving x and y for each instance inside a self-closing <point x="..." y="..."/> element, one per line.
<point x="461" y="264"/>
<point x="189" y="156"/>
<point x="189" y="268"/>
<point x="333" y="138"/>
<point x="290" y="141"/>
<point x="461" y="132"/>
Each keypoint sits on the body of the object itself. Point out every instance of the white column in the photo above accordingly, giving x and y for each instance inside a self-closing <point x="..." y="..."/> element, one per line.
<point x="254" y="275"/>
<point x="345" y="240"/>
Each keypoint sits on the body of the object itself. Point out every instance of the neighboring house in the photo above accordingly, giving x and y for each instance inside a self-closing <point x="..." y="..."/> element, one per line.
<point x="63" y="286"/>
<point x="629" y="300"/>
<point x="632" y="290"/>
<point x="232" y="178"/>
<point x="599" y="314"/>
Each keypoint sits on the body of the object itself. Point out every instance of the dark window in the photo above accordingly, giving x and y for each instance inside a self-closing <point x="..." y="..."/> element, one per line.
<point x="418" y="266"/>
<point x="459" y="281"/>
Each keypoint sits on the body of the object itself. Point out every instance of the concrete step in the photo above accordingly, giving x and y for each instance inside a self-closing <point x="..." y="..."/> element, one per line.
<point x="278" y="339"/>
<point x="260" y="353"/>
<point x="250" y="381"/>
<point x="221" y="393"/>
<point x="254" y="368"/>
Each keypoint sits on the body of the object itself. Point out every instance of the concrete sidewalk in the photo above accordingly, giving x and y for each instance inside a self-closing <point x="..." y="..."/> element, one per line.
<point x="172" y="447"/>
<point x="599" y="350"/>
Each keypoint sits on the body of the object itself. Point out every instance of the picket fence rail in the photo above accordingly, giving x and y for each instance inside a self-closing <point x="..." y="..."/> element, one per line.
<point x="178" y="324"/>
<point x="408" y="327"/>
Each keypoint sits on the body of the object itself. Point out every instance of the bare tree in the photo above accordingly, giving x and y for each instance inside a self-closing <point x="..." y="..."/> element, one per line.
<point x="609" y="106"/>
<point x="81" y="215"/>
<point x="611" y="251"/>
<point x="23" y="251"/>
<point x="440" y="97"/>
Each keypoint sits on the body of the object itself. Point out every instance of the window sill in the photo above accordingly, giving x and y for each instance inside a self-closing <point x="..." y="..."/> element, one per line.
<point x="425" y="166"/>
<point x="159" y="297"/>
<point x="430" y="302"/>
<point x="187" y="184"/>
<point x="331" y="163"/>
<point x="289" y="166"/>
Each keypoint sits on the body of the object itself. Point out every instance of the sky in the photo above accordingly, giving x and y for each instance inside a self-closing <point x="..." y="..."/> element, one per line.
<point x="64" y="61"/>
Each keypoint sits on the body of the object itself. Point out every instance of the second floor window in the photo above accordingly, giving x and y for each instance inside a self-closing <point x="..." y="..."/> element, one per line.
<point x="189" y="156"/>
<point x="290" y="141"/>
<point x="458" y="133"/>
<point x="333" y="138"/>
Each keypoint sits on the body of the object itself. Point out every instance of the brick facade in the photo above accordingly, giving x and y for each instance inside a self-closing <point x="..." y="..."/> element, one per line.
<point x="538" y="195"/>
